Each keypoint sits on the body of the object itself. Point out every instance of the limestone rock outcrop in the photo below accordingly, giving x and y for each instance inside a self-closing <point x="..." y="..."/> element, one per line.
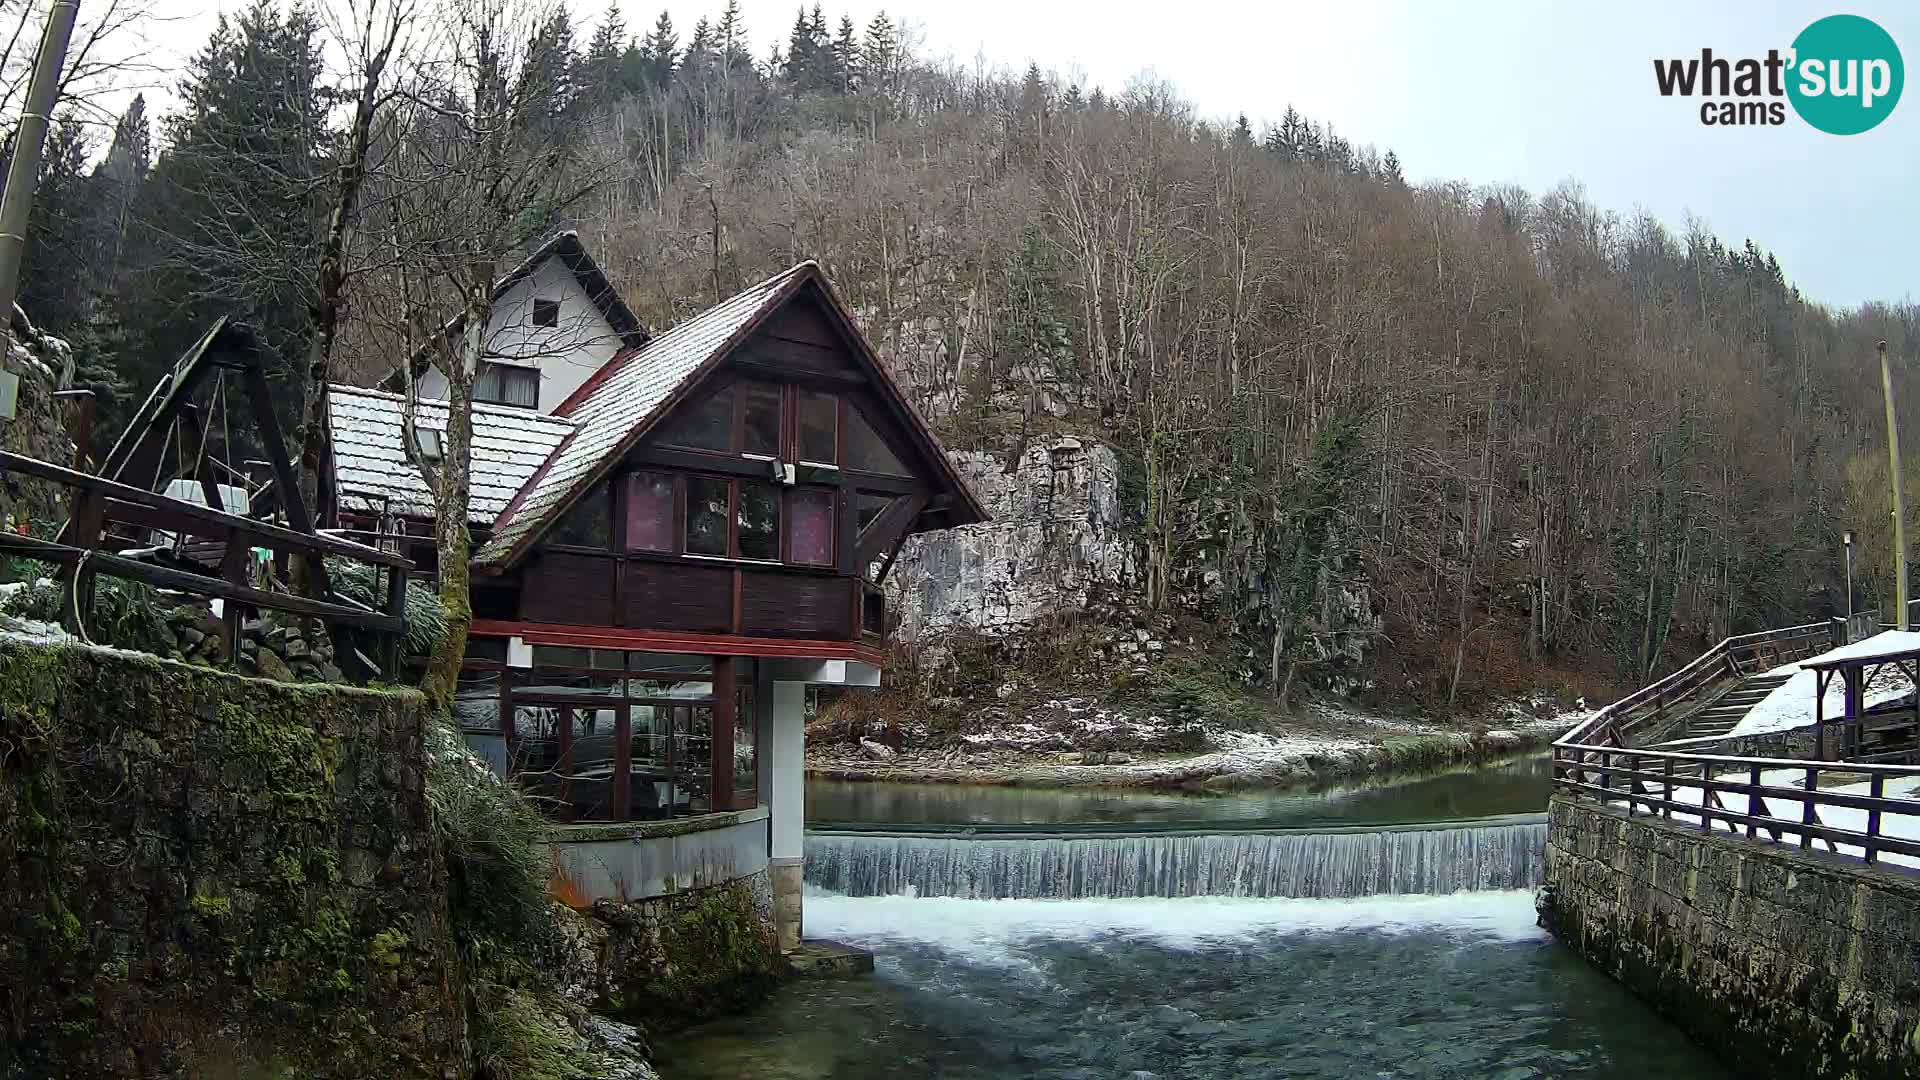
<point x="1057" y="543"/>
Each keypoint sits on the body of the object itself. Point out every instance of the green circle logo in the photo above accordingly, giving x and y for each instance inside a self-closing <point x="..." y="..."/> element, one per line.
<point x="1846" y="75"/>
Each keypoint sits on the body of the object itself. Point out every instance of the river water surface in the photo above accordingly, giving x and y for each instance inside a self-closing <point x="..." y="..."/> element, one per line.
<point x="1390" y="987"/>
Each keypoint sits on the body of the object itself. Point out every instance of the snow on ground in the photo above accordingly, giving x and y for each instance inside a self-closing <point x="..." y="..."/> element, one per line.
<point x="1788" y="811"/>
<point x="1790" y="705"/>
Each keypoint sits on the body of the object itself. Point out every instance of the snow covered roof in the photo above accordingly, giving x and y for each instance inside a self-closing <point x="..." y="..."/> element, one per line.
<point x="1880" y="646"/>
<point x="624" y="398"/>
<point x="1790" y="705"/>
<point x="370" y="462"/>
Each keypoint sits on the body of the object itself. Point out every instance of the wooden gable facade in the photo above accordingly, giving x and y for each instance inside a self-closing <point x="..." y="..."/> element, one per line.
<point x="757" y="514"/>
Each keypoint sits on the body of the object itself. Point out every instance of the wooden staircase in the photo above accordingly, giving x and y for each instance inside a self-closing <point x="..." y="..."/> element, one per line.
<point x="1718" y="717"/>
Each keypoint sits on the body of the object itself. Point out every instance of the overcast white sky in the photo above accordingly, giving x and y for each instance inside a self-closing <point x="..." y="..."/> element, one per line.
<point x="1496" y="91"/>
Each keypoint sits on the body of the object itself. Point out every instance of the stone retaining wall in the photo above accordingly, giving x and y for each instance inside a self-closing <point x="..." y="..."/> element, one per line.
<point x="208" y="875"/>
<point x="1786" y="963"/>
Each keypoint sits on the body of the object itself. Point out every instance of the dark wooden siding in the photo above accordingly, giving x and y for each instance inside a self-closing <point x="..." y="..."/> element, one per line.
<point x="666" y="596"/>
<point x="773" y="604"/>
<point x="803" y="321"/>
<point x="563" y="587"/>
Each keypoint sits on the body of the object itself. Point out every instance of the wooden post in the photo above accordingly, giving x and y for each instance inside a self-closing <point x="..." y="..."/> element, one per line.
<point x="1666" y="794"/>
<point x="623" y="762"/>
<point x="1812" y="787"/>
<point x="1820" y="680"/>
<point x="233" y="569"/>
<point x="396" y="607"/>
<point x="720" y="778"/>
<point x="1877" y="790"/>
<point x="1754" y="805"/>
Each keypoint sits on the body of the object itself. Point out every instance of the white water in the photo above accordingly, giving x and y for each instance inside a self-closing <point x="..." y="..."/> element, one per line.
<point x="1431" y="861"/>
<point x="986" y="931"/>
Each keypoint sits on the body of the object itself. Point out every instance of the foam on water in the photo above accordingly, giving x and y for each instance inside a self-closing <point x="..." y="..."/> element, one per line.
<point x="990" y="931"/>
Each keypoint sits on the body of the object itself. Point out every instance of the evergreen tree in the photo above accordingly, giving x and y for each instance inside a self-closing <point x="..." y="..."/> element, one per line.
<point x="1073" y="100"/>
<point x="57" y="269"/>
<point x="798" y="65"/>
<point x="730" y="38"/>
<point x="602" y="68"/>
<point x="1242" y="132"/>
<point x="879" y="55"/>
<point x="547" y="86"/>
<point x="229" y="224"/>
<point x="701" y="57"/>
<point x="846" y="56"/>
<point x="660" y="51"/>
<point x="1390" y="170"/>
<point x="116" y="187"/>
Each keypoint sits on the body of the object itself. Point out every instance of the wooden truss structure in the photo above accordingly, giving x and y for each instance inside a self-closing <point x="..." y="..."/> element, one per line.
<point x="209" y="553"/>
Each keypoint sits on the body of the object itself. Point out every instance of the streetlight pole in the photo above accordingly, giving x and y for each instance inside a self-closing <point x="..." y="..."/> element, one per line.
<point x="1848" y="541"/>
<point x="1899" y="505"/>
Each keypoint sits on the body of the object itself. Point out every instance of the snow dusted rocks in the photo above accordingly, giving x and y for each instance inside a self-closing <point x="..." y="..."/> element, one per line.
<point x="1055" y="544"/>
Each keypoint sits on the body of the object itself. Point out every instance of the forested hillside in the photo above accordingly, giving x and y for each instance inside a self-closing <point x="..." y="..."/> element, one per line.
<point x="1538" y="435"/>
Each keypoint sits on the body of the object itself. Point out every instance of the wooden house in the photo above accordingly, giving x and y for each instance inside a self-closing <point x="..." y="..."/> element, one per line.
<point x="669" y="546"/>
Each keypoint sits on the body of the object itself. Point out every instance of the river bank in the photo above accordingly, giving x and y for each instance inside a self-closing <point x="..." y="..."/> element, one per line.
<point x="1324" y="743"/>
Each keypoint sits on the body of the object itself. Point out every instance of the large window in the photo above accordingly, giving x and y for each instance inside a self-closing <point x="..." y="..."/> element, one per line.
<point x="812" y="526"/>
<point x="507" y="384"/>
<point x="790" y="423"/>
<point x="670" y="514"/>
<point x="608" y="734"/>
<point x="650" y="505"/>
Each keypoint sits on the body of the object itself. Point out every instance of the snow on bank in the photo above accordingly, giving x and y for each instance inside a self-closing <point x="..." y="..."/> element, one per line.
<point x="1064" y="743"/>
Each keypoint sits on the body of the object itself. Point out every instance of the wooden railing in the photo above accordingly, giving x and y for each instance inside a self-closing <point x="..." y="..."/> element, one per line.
<point x="1664" y="700"/>
<point x="97" y="502"/>
<point x="1598" y="760"/>
<point x="1733" y="791"/>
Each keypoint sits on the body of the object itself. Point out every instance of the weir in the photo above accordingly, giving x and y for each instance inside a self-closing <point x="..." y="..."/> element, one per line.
<point x="1027" y="862"/>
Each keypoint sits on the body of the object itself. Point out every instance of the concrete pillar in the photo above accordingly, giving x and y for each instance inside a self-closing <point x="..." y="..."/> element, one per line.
<point x="787" y="808"/>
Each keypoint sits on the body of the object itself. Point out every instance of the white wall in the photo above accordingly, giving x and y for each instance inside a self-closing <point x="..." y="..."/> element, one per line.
<point x="566" y="354"/>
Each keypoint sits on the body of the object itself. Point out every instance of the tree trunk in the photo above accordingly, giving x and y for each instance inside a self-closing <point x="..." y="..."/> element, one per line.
<point x="330" y="285"/>
<point x="452" y="542"/>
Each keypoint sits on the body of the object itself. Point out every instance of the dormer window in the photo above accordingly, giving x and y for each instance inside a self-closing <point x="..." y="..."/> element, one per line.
<point x="507" y="384"/>
<point x="546" y="313"/>
<point x="427" y="442"/>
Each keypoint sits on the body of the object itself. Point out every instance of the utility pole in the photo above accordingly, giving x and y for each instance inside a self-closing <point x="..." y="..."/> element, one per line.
<point x="1848" y="541"/>
<point x="1899" y="504"/>
<point x="23" y="174"/>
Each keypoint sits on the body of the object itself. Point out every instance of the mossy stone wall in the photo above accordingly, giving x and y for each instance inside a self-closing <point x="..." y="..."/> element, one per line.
<point x="208" y="875"/>
<point x="1785" y="963"/>
<point x="689" y="956"/>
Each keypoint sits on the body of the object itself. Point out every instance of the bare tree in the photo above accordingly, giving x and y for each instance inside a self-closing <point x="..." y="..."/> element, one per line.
<point x="483" y="167"/>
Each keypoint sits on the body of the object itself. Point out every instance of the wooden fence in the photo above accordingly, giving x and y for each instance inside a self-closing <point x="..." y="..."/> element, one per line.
<point x="1647" y="781"/>
<point x="83" y="552"/>
<point x="1599" y="760"/>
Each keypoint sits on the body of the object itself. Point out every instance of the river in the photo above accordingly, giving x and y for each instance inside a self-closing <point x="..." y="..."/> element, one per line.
<point x="1192" y="985"/>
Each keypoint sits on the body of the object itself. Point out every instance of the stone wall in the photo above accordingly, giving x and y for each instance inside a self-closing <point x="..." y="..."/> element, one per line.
<point x="39" y="425"/>
<point x="1055" y="544"/>
<point x="208" y="875"/>
<point x="691" y="955"/>
<point x="1787" y="963"/>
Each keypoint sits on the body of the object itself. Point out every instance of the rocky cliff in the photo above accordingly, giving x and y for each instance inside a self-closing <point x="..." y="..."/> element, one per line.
<point x="1056" y="544"/>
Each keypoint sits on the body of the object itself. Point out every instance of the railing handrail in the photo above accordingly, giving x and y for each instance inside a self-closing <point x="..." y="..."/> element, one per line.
<point x="1721" y="650"/>
<point x="1747" y="761"/>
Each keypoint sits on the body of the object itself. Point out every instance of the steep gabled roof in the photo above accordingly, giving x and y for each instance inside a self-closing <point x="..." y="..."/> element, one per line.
<point x="635" y="390"/>
<point x="566" y="247"/>
<point x="371" y="470"/>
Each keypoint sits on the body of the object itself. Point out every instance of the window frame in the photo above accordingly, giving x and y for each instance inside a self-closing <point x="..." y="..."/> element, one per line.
<point x="519" y="369"/>
<point x="542" y="306"/>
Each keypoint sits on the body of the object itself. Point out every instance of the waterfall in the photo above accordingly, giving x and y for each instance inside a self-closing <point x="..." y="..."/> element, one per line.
<point x="1499" y="853"/>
